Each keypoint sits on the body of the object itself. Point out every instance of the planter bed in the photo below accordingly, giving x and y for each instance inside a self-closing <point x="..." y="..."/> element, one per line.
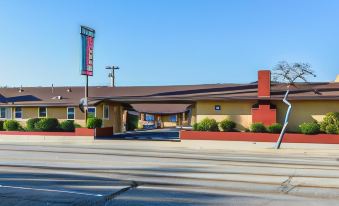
<point x="98" y="132"/>
<point x="259" y="137"/>
<point x="37" y="133"/>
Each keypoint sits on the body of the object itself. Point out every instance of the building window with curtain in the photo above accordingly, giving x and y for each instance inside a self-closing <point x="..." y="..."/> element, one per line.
<point x="42" y="112"/>
<point x="173" y="118"/>
<point x="149" y="117"/>
<point x="70" y="113"/>
<point x="2" y="112"/>
<point x="18" y="113"/>
<point x="106" y="112"/>
<point x="91" y="112"/>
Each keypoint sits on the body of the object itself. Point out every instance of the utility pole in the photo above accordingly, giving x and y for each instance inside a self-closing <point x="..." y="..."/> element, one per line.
<point x="112" y="74"/>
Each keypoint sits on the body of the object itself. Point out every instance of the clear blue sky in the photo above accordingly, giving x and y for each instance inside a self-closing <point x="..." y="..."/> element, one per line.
<point x="165" y="42"/>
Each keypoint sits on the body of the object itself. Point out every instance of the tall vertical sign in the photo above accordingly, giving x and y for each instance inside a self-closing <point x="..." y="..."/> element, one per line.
<point x="87" y="41"/>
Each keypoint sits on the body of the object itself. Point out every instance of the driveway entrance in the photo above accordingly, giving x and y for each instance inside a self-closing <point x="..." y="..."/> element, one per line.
<point x="169" y="134"/>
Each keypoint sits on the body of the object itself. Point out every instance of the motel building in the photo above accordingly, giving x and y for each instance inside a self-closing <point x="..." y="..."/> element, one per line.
<point x="175" y="106"/>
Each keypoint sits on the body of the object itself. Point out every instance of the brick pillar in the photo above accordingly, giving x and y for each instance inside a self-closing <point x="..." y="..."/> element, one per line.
<point x="264" y="84"/>
<point x="264" y="114"/>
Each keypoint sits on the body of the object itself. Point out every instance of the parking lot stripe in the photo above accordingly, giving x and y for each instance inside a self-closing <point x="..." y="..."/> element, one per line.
<point x="52" y="190"/>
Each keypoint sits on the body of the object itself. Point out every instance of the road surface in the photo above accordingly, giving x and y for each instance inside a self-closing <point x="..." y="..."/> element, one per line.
<point x="165" y="173"/>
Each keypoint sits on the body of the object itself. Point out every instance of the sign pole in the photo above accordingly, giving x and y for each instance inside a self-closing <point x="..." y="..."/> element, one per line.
<point x="87" y="41"/>
<point x="86" y="99"/>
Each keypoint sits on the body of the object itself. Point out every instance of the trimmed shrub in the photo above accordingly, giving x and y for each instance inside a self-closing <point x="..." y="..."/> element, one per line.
<point x="1" y="125"/>
<point x="30" y="124"/>
<point x="47" y="124"/>
<point x="309" y="128"/>
<point x="227" y="125"/>
<point x="195" y="127"/>
<point x="67" y="126"/>
<point x="275" y="128"/>
<point x="258" y="127"/>
<point x="208" y="125"/>
<point x="330" y="123"/>
<point x="11" y="125"/>
<point x="132" y="122"/>
<point x="94" y="122"/>
<point x="331" y="129"/>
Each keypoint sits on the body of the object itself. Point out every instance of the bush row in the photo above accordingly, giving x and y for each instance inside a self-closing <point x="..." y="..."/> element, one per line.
<point x="39" y="124"/>
<point x="227" y="125"/>
<point x="48" y="125"/>
<point x="329" y="125"/>
<point x="212" y="125"/>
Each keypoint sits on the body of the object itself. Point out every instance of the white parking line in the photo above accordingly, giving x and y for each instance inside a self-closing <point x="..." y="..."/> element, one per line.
<point x="51" y="190"/>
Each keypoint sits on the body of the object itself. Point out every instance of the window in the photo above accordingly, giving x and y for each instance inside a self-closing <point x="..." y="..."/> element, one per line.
<point x="106" y="112"/>
<point x="2" y="112"/>
<point x="217" y="107"/>
<point x="18" y="112"/>
<point x="91" y="112"/>
<point x="173" y="118"/>
<point x="42" y="112"/>
<point x="149" y="117"/>
<point x="71" y="113"/>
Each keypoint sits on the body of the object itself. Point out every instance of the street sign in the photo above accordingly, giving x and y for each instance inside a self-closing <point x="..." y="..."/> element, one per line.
<point x="87" y="42"/>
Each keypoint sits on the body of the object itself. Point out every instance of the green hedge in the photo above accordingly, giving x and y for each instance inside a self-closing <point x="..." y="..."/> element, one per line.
<point x="30" y="124"/>
<point x="94" y="122"/>
<point x="47" y="124"/>
<point x="309" y="128"/>
<point x="227" y="125"/>
<point x="195" y="127"/>
<point x="208" y="125"/>
<point x="67" y="126"/>
<point x="258" y="127"/>
<point x="330" y="123"/>
<point x="275" y="128"/>
<point x="132" y="122"/>
<point x="1" y="125"/>
<point x="11" y="125"/>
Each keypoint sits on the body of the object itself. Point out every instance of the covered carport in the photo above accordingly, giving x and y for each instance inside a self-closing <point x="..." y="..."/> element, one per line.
<point x="139" y="107"/>
<point x="154" y="116"/>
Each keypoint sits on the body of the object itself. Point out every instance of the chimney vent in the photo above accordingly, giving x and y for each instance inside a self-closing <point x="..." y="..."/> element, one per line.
<point x="21" y="89"/>
<point x="57" y="97"/>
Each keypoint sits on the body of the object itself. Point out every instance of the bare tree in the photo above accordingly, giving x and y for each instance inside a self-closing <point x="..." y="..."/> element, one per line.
<point x="289" y="74"/>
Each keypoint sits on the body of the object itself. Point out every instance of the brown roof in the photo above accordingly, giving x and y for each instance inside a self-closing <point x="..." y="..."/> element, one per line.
<point x="186" y="94"/>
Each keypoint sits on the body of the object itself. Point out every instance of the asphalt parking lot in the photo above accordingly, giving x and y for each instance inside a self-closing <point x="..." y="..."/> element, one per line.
<point x="169" y="134"/>
<point x="166" y="173"/>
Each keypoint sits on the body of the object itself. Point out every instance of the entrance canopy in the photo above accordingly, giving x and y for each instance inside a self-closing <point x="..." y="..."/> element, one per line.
<point x="161" y="108"/>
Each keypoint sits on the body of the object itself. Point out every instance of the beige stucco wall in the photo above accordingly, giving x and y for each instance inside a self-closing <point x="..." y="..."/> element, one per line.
<point x="305" y="111"/>
<point x="240" y="111"/>
<point x="237" y="111"/>
<point x="193" y="114"/>
<point x="115" y="116"/>
<point x="54" y="112"/>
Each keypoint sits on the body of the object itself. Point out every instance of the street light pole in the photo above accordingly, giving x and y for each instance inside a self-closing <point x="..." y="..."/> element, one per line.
<point x="112" y="74"/>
